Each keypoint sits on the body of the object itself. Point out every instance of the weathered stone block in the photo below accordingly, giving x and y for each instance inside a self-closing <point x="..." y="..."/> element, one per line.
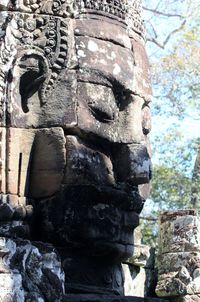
<point x="192" y="298"/>
<point x="13" y="207"/>
<point x="14" y="229"/>
<point x="3" y="179"/>
<point x="174" y="262"/>
<point x="179" y="257"/>
<point x="170" y="287"/>
<point x="139" y="270"/>
<point x="37" y="62"/>
<point x="146" y="119"/>
<point x="27" y="158"/>
<point x="142" y="84"/>
<point x="104" y="112"/>
<point x="103" y="30"/>
<point x="180" y="232"/>
<point x="29" y="272"/>
<point x="104" y="298"/>
<point x="180" y="281"/>
<point x="140" y="255"/>
<point x="141" y="252"/>
<point x="11" y="287"/>
<point x="86" y="165"/>
<point x="15" y="200"/>
<point x="98" y="112"/>
<point x="112" y="61"/>
<point x="144" y="190"/>
<point x="48" y="164"/>
<point x="136" y="169"/>
<point x="18" y="152"/>
<point x="39" y="7"/>
<point x="88" y="215"/>
<point x="134" y="281"/>
<point x="30" y="108"/>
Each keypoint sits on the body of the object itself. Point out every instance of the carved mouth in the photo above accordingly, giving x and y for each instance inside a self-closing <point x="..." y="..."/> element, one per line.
<point x="127" y="199"/>
<point x="82" y="215"/>
<point x="118" y="250"/>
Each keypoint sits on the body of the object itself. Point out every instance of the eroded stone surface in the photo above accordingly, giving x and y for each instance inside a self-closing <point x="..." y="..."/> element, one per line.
<point x="103" y="298"/>
<point x="74" y="146"/>
<point x="29" y="272"/>
<point x="194" y="298"/>
<point x="179" y="257"/>
<point x="48" y="163"/>
<point x="82" y="160"/>
<point x="91" y="28"/>
<point x="180" y="233"/>
<point x="139" y="269"/>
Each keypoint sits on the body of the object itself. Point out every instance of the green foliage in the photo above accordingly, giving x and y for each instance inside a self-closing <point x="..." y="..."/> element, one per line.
<point x="176" y="76"/>
<point x="173" y="150"/>
<point x="173" y="27"/>
<point x="149" y="229"/>
<point x="173" y="185"/>
<point x="174" y="49"/>
<point x="170" y="188"/>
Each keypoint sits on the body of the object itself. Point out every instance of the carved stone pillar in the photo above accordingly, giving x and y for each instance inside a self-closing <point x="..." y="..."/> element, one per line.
<point x="179" y="256"/>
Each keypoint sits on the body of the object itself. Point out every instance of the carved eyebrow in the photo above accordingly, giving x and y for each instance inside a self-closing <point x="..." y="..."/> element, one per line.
<point x="98" y="77"/>
<point x="93" y="76"/>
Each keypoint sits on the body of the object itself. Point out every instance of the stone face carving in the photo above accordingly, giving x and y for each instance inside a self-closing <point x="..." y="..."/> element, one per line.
<point x="75" y="118"/>
<point x="179" y="256"/>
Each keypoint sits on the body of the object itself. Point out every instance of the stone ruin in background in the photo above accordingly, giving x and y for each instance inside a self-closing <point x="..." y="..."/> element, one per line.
<point x="74" y="146"/>
<point x="179" y="256"/>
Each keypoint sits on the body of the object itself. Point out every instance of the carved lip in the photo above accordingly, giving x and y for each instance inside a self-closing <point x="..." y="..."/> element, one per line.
<point x="118" y="250"/>
<point x="115" y="217"/>
<point x="127" y="199"/>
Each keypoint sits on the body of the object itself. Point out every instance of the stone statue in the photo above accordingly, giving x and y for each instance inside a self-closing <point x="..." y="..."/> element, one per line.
<point x="75" y="119"/>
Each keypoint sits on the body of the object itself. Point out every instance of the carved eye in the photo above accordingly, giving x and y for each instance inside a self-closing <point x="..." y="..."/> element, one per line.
<point x="101" y="102"/>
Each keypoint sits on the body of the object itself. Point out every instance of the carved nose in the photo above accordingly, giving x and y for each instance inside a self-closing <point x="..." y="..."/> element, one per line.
<point x="86" y="164"/>
<point x="133" y="164"/>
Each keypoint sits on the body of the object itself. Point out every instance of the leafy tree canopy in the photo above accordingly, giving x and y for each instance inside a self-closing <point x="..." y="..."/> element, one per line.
<point x="174" y="49"/>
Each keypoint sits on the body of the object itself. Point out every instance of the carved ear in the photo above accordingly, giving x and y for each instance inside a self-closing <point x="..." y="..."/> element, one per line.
<point x="26" y="83"/>
<point x="33" y="73"/>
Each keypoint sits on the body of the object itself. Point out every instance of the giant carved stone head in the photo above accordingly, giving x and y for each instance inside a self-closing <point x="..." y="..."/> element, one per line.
<point x="75" y="119"/>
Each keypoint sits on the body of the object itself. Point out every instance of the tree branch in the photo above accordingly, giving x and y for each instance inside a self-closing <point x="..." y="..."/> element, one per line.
<point x="157" y="12"/>
<point x="149" y="218"/>
<point x="163" y="44"/>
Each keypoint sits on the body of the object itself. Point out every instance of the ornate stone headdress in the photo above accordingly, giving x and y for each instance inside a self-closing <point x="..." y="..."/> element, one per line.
<point x="43" y="27"/>
<point x="128" y="12"/>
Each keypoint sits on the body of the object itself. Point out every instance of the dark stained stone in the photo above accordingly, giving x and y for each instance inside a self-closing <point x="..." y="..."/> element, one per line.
<point x="74" y="146"/>
<point x="102" y="298"/>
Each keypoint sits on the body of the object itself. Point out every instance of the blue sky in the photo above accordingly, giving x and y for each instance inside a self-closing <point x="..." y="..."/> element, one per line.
<point x="162" y="124"/>
<point x="190" y="124"/>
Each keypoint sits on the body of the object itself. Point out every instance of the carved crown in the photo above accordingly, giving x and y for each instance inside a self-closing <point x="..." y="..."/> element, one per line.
<point x="128" y="12"/>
